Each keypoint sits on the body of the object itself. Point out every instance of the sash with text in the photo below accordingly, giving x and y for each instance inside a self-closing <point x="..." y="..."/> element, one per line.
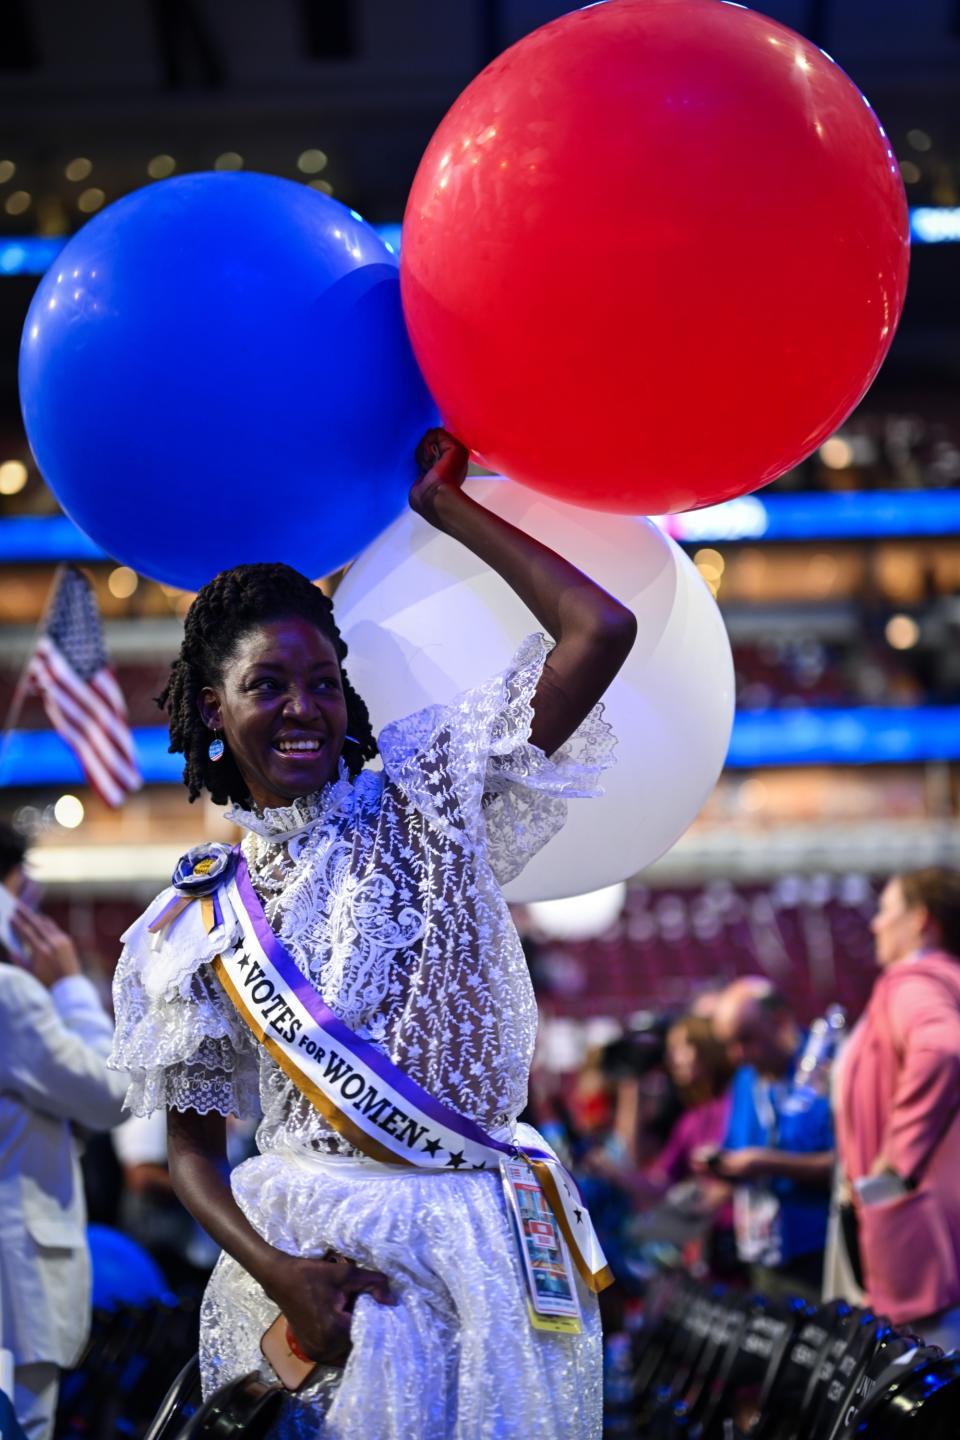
<point x="358" y="1090"/>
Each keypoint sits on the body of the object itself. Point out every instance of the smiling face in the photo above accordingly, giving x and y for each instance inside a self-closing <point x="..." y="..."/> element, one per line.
<point x="281" y="708"/>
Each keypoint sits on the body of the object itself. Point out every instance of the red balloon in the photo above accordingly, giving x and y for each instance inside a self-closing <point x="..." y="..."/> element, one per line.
<point x="654" y="254"/>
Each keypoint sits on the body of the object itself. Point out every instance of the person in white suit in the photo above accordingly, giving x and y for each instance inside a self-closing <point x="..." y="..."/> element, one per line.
<point x="54" y="1039"/>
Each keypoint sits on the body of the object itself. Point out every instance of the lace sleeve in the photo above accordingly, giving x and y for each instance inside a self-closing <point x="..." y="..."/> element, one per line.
<point x="176" y="1032"/>
<point x="471" y="769"/>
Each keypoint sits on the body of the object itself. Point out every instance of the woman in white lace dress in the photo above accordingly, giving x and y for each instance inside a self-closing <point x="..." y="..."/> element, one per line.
<point x="383" y="887"/>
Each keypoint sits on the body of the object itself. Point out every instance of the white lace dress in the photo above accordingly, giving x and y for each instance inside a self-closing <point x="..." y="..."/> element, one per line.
<point x="391" y="905"/>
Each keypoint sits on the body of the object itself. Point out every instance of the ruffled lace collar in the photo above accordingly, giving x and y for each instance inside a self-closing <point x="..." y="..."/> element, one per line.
<point x="282" y="823"/>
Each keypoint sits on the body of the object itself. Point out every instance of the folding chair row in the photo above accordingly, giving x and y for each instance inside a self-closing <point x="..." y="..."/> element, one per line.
<point x="716" y="1365"/>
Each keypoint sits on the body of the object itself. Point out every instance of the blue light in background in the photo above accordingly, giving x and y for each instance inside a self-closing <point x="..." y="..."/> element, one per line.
<point x="848" y="515"/>
<point x="867" y="735"/>
<point x="935" y="224"/>
<point x="33" y="254"/>
<point x="29" y="254"/>
<point x="52" y="538"/>
<point x="817" y="515"/>
<point x="41" y="757"/>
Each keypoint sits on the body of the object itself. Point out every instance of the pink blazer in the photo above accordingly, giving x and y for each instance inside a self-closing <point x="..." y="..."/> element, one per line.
<point x="899" y="1093"/>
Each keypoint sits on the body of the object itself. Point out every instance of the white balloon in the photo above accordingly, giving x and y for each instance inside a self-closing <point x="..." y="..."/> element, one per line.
<point x="425" y="620"/>
<point x="579" y="917"/>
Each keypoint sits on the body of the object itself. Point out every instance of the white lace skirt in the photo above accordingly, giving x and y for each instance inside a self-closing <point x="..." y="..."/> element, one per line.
<point x="456" y="1358"/>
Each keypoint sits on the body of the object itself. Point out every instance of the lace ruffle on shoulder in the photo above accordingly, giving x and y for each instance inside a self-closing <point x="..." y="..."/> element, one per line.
<point x="470" y="769"/>
<point x="383" y="891"/>
<point x="176" y="1031"/>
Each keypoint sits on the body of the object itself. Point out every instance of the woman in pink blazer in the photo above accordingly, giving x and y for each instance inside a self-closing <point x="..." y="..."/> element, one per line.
<point x="898" y="1102"/>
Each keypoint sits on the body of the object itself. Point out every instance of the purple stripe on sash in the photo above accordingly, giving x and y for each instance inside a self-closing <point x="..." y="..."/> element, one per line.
<point x="319" y="1011"/>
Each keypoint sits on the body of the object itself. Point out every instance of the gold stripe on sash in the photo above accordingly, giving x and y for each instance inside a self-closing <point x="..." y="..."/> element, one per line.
<point x="335" y="1117"/>
<point x="342" y="1123"/>
<point x="595" y="1281"/>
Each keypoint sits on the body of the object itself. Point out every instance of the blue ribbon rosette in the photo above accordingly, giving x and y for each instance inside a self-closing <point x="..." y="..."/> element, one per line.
<point x="203" y="870"/>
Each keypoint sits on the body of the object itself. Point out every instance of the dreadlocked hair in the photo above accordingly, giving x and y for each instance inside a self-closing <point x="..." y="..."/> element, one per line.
<point x="229" y="607"/>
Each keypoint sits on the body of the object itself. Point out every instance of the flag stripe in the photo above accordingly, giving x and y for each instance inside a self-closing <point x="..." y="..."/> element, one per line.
<point x="69" y="687"/>
<point x="104" y="682"/>
<point x="105" y="685"/>
<point x="70" y="672"/>
<point x="100" y="778"/>
<point x="71" y="716"/>
<point x="95" y="743"/>
<point x="82" y="690"/>
<point x="112" y="737"/>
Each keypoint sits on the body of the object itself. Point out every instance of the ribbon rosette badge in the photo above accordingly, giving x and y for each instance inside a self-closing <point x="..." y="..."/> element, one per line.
<point x="203" y="870"/>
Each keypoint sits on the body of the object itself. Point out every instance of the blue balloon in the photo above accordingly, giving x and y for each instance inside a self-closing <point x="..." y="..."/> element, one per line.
<point x="216" y="370"/>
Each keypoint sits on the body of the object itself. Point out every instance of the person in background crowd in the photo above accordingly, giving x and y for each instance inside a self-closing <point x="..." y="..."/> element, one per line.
<point x="779" y="1148"/>
<point x="898" y="1109"/>
<point x="9" y="1427"/>
<point x="613" y="1114"/>
<point x="698" y="1067"/>
<point x="591" y="1101"/>
<point x="647" y="1102"/>
<point x="54" y="1040"/>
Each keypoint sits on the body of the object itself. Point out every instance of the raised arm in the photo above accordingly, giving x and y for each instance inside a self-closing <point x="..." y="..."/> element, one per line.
<point x="315" y="1294"/>
<point x="55" y="1057"/>
<point x="593" y="632"/>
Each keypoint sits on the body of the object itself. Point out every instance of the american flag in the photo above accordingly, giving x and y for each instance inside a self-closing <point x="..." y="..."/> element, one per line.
<point x="70" y="672"/>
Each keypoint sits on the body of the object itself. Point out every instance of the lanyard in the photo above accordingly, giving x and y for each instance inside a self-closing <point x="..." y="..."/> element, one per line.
<point x="764" y="1102"/>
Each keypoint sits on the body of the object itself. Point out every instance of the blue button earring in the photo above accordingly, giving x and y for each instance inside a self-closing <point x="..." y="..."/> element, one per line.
<point x="216" y="748"/>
